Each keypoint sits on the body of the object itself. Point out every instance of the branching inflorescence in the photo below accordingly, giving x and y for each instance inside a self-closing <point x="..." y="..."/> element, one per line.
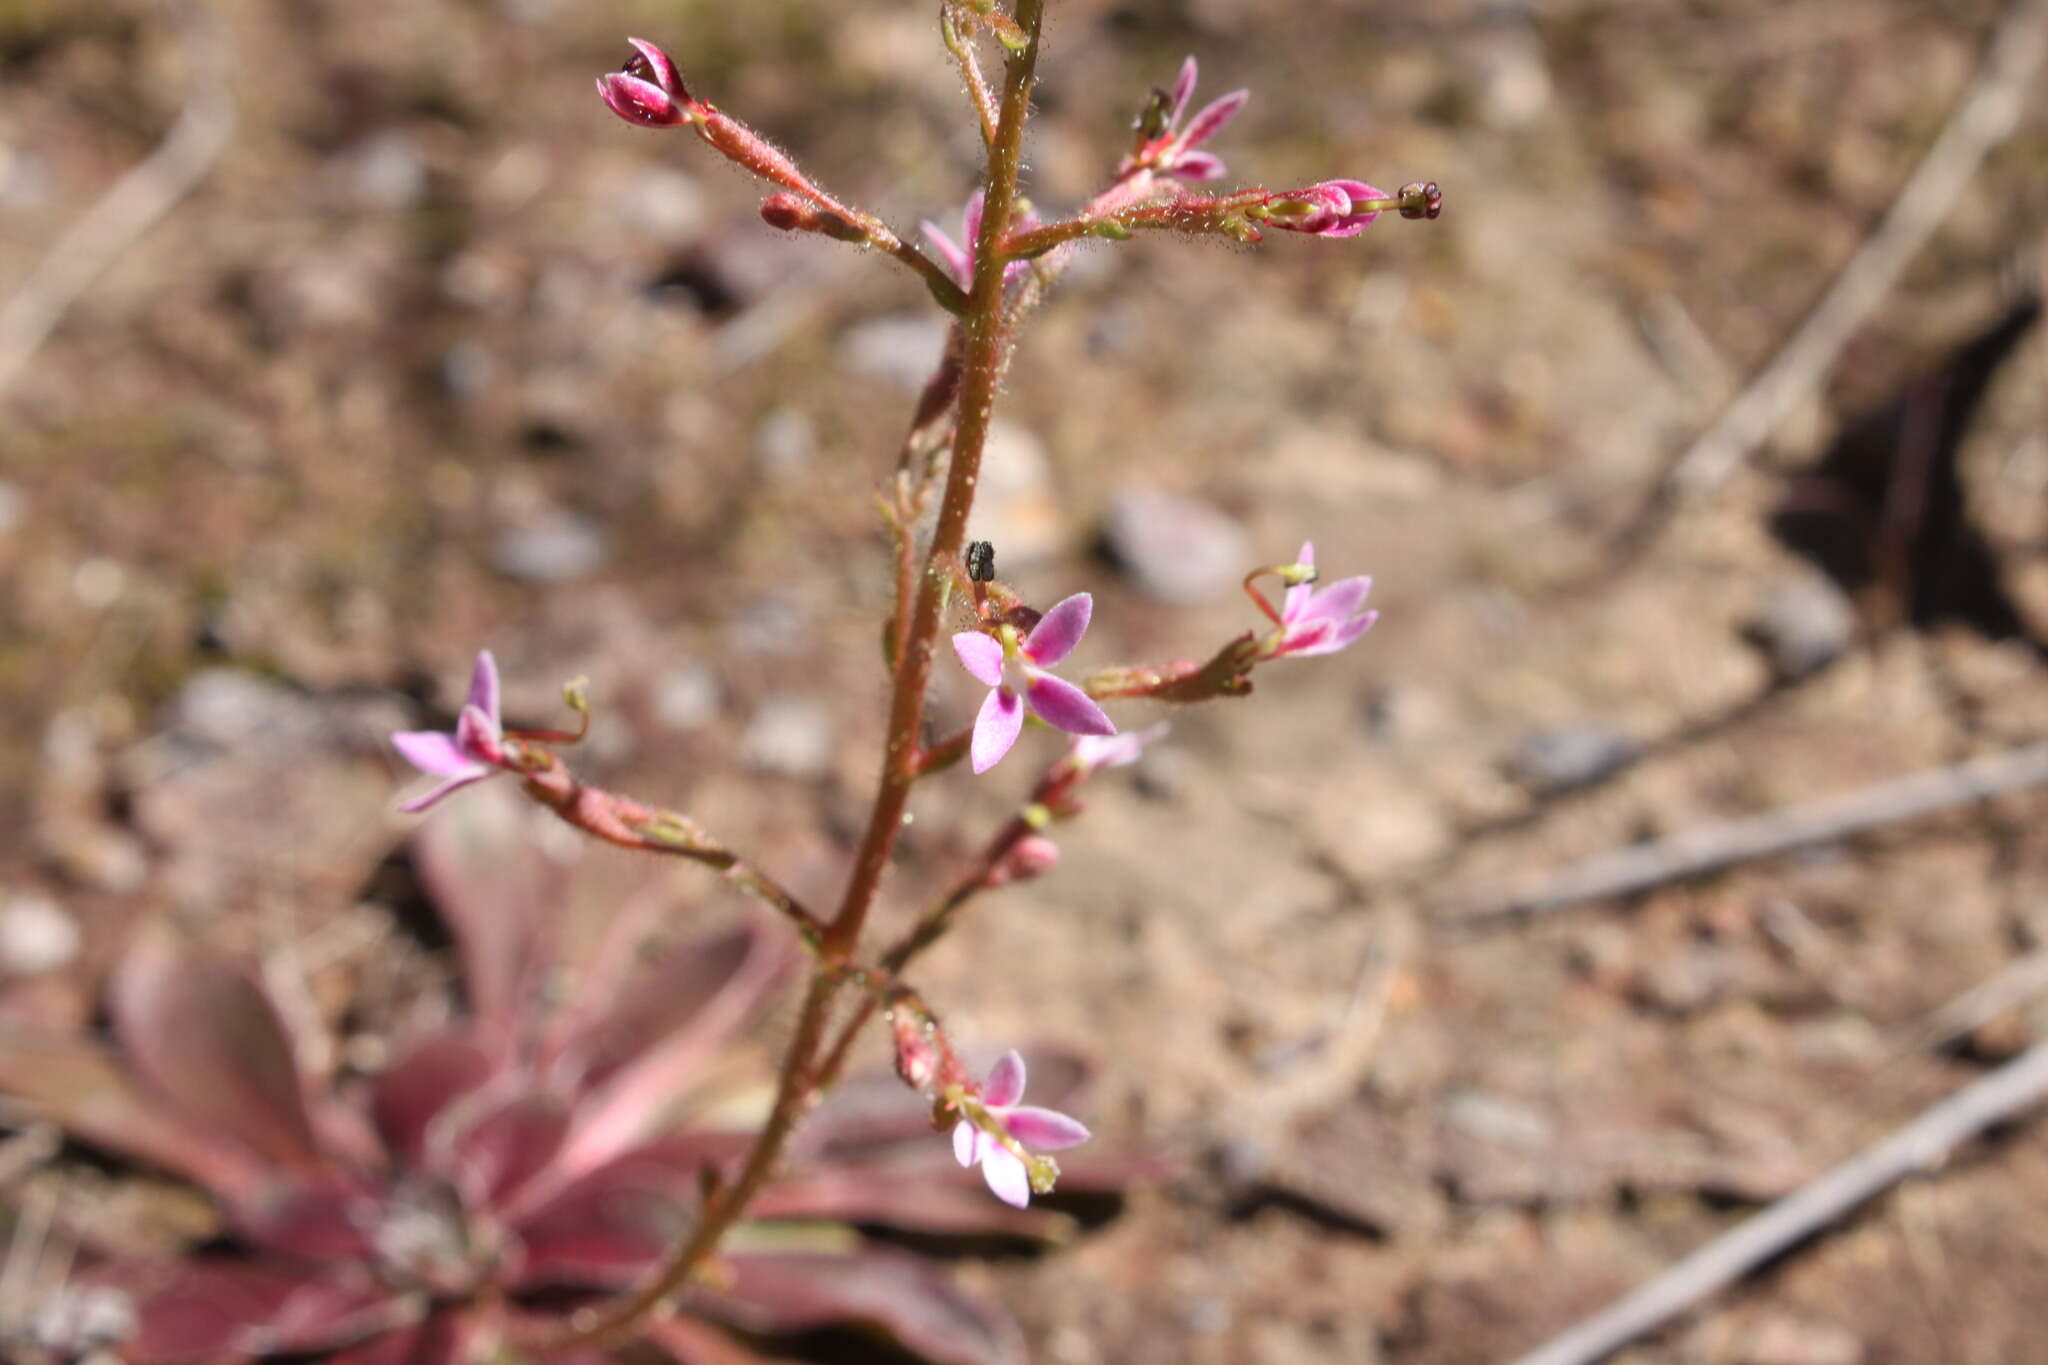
<point x="1006" y="260"/>
<point x="1004" y="264"/>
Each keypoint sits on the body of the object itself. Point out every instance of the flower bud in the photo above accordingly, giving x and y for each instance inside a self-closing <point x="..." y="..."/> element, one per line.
<point x="1033" y="856"/>
<point x="917" y="1061"/>
<point x="794" y="213"/>
<point x="647" y="90"/>
<point x="1422" y="200"/>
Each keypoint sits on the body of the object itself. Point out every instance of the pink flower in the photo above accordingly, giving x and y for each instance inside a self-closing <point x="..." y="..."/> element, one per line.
<point x="1090" y="754"/>
<point x="1011" y="667"/>
<point x="647" y="90"/>
<point x="1173" y="151"/>
<point x="1322" y="620"/>
<point x="1028" y="1124"/>
<point x="1328" y="209"/>
<point x="473" y="752"/>
<point x="959" y="259"/>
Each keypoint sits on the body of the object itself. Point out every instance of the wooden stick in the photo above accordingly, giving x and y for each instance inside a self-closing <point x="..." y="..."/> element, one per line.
<point x="1921" y="1145"/>
<point x="1705" y="848"/>
<point x="130" y="207"/>
<point x="1986" y="116"/>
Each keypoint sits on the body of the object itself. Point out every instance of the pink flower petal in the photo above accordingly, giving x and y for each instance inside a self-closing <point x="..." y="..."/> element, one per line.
<point x="1059" y="630"/>
<point x="664" y="70"/>
<point x="1331" y="638"/>
<point x="1198" y="166"/>
<point x="483" y="679"/>
<point x="981" y="655"/>
<point x="970" y="222"/>
<point x="478" y="735"/>
<point x="1006" y="1175"/>
<point x="1297" y="598"/>
<point x="1183" y="91"/>
<point x="1060" y="703"/>
<point x="1044" y="1129"/>
<point x="451" y="786"/>
<point x="1092" y="753"/>
<point x="638" y="101"/>
<point x="957" y="262"/>
<point x="1338" y="602"/>
<point x="1213" y="117"/>
<point x="435" y="753"/>
<point x="995" y="729"/>
<point x="966" y="1148"/>
<point x="1005" y="1083"/>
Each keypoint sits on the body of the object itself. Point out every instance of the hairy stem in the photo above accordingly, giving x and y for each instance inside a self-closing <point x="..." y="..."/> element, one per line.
<point x="981" y="362"/>
<point x="615" y="1323"/>
<point x="980" y="366"/>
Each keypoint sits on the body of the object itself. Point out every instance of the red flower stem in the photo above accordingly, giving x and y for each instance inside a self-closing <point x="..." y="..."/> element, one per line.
<point x="631" y="824"/>
<point x="615" y="1323"/>
<point x="932" y="925"/>
<point x="744" y="147"/>
<point x="980" y="363"/>
<point x="961" y="45"/>
<point x="1188" y="214"/>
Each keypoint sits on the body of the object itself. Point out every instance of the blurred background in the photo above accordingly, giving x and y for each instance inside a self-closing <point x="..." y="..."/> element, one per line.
<point x="427" y="351"/>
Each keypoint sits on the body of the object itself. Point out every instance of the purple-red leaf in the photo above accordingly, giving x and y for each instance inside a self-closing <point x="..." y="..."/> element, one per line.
<point x="888" y="1291"/>
<point x="205" y="1311"/>
<point x="326" y="1223"/>
<point x="907" y="1198"/>
<point x="690" y="1342"/>
<point x="635" y="1061"/>
<point x="443" y="1339"/>
<point x="209" y="1041"/>
<point x="491" y="887"/>
<point x="418" y="1087"/>
<point x="508" y="1146"/>
<point x="77" y="1084"/>
<point x="615" y="1222"/>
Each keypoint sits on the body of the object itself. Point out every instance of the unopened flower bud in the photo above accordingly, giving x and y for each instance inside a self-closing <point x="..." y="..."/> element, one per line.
<point x="1422" y="200"/>
<point x="917" y="1061"/>
<point x="794" y="213"/>
<point x="1033" y="856"/>
<point x="785" y="212"/>
<point x="647" y="90"/>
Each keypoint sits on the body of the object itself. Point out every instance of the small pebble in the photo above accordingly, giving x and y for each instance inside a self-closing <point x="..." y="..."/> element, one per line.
<point x="1804" y="625"/>
<point x="664" y="202"/>
<point x="1560" y="760"/>
<point x="790" y="737"/>
<point x="387" y="171"/>
<point x="784" y="442"/>
<point x="36" y="935"/>
<point x="558" y="546"/>
<point x="1175" y="548"/>
<point x="1015" y="508"/>
<point x="903" y="349"/>
<point x="686" y="699"/>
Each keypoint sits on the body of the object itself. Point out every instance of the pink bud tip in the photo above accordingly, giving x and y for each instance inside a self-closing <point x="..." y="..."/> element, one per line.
<point x="786" y="212"/>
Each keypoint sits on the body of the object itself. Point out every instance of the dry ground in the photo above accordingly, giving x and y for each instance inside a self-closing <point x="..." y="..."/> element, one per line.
<point x="443" y="355"/>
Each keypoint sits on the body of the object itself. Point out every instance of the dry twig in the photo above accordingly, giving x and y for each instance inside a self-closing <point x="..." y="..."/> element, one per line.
<point x="1986" y="115"/>
<point x="130" y="207"/>
<point x="1921" y="1145"/>
<point x="1706" y="848"/>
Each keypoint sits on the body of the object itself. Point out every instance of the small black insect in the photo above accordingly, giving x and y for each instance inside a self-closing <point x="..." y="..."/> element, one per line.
<point x="981" y="561"/>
